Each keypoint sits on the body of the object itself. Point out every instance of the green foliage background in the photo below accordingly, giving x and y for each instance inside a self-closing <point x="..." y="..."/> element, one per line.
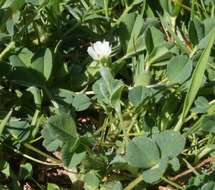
<point x="135" y="122"/>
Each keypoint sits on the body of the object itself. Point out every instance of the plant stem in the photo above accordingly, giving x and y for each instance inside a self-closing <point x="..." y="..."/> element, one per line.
<point x="4" y="121"/>
<point x="123" y="15"/>
<point x="135" y="182"/>
<point x="194" y="128"/>
<point x="35" y="140"/>
<point x="36" y="183"/>
<point x="132" y="123"/>
<point x="34" y="119"/>
<point x="191" y="167"/>
<point x="29" y="157"/>
<point x="204" y="162"/>
<point x="9" y="47"/>
<point x="123" y="128"/>
<point x="106" y="8"/>
<point x="48" y="93"/>
<point x="172" y="183"/>
<point x="42" y="153"/>
<point x="179" y="125"/>
<point x="182" y="5"/>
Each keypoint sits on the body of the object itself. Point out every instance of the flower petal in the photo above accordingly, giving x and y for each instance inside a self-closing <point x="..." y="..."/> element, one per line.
<point x="92" y="53"/>
<point x="99" y="50"/>
<point x="97" y="47"/>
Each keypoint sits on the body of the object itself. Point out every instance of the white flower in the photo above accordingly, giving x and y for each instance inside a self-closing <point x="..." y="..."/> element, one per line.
<point x="99" y="50"/>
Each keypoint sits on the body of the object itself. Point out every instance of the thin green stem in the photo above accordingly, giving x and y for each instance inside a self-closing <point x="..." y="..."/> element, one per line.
<point x="182" y="5"/>
<point x="134" y="183"/>
<point x="132" y="124"/>
<point x="48" y="93"/>
<point x="179" y="124"/>
<point x="204" y="151"/>
<point x="4" y="121"/>
<point x="29" y="157"/>
<point x="34" y="120"/>
<point x="191" y="167"/>
<point x="123" y="15"/>
<point x="123" y="128"/>
<point x="194" y="128"/>
<point x="133" y="134"/>
<point x="36" y="183"/>
<point x="172" y="183"/>
<point x="106" y="8"/>
<point x="42" y="153"/>
<point x="9" y="47"/>
<point x="192" y="116"/>
<point x="35" y="140"/>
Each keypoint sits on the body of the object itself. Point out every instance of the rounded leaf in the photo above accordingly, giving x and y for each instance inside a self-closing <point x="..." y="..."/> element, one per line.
<point x="154" y="174"/>
<point x="142" y="152"/>
<point x="171" y="143"/>
<point x="81" y="102"/>
<point x="179" y="69"/>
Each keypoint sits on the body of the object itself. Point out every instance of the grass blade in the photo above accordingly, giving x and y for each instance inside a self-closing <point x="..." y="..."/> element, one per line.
<point x="4" y="121"/>
<point x="196" y="80"/>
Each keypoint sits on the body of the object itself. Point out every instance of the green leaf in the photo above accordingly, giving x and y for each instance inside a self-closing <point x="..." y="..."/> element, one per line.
<point x="169" y="110"/>
<point x="23" y="59"/>
<point x="73" y="153"/>
<point x="14" y="5"/>
<point x="63" y="96"/>
<point x="208" y="25"/>
<point x="76" y="159"/>
<point x="179" y="69"/>
<point x="19" y="130"/>
<point x="156" y="172"/>
<point x="25" y="56"/>
<point x="113" y="185"/>
<point x="26" y="77"/>
<point x="153" y="38"/>
<point x="118" y="159"/>
<point x="166" y="22"/>
<point x="171" y="143"/>
<point x="207" y="123"/>
<point x="166" y="5"/>
<point x="6" y="169"/>
<point x="42" y="62"/>
<point x="158" y="54"/>
<point x="201" y="105"/>
<point x="172" y="7"/>
<point x="196" y="31"/>
<point x="125" y="30"/>
<point x="58" y="130"/>
<point x="196" y="80"/>
<point x="136" y="42"/>
<point x="138" y="94"/>
<point x="143" y="79"/>
<point x="131" y="38"/>
<point x="3" y="36"/>
<point x="37" y="96"/>
<point x="16" y="62"/>
<point x="81" y="102"/>
<point x="52" y="186"/>
<point x="47" y="63"/>
<point x="91" y="181"/>
<point x="142" y="152"/>
<point x="175" y="164"/>
<point x="108" y="90"/>
<point x="208" y="186"/>
<point x="25" y="171"/>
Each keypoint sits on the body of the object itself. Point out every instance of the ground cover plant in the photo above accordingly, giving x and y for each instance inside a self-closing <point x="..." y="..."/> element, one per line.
<point x="107" y="94"/>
